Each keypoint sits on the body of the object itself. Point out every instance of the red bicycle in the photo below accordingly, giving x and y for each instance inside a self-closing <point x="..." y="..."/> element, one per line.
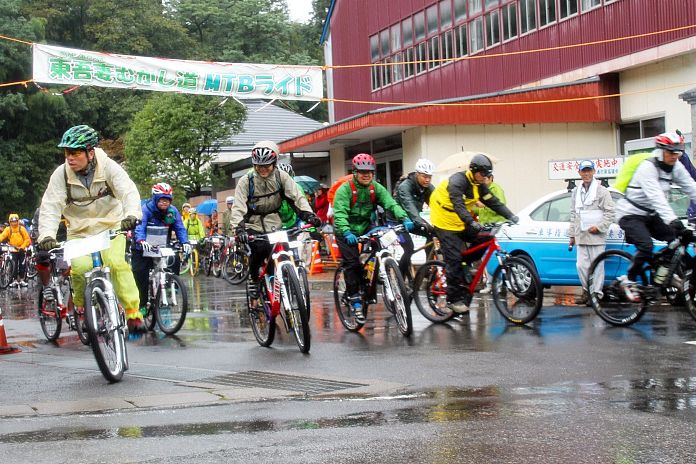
<point x="515" y="286"/>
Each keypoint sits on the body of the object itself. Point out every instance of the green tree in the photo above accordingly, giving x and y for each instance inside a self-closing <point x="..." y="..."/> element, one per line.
<point x="175" y="138"/>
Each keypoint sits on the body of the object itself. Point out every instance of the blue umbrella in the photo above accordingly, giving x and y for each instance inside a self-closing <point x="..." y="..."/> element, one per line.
<point x="308" y="184"/>
<point x="207" y="207"/>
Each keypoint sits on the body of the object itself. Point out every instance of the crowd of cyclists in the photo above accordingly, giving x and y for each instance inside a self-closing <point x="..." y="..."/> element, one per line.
<point x="91" y="193"/>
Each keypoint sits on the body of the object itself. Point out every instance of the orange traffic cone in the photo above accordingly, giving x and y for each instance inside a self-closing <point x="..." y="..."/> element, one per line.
<point x="315" y="267"/>
<point x="4" y="347"/>
<point x="335" y="253"/>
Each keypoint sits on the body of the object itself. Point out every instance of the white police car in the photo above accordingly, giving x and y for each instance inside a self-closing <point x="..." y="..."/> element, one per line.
<point x="542" y="236"/>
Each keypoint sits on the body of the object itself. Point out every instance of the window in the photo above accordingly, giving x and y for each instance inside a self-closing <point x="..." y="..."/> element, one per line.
<point x="493" y="28"/>
<point x="434" y="52"/>
<point x="374" y="48"/>
<point x="447" y="46"/>
<point x="641" y="129"/>
<point x="397" y="67"/>
<point x="407" y="32"/>
<point x="386" y="72"/>
<point x="491" y="4"/>
<point x="476" y="35"/>
<point x="589" y="4"/>
<point x="462" y="44"/>
<point x="431" y="16"/>
<point x="421" y="57"/>
<point x="419" y="26"/>
<point x="384" y="42"/>
<point x="445" y="14"/>
<point x="556" y="210"/>
<point x="527" y="15"/>
<point x="459" y="10"/>
<point x="376" y="70"/>
<point x="408" y="67"/>
<point x="568" y="8"/>
<point x="395" y="38"/>
<point x="547" y="12"/>
<point x="474" y="7"/>
<point x="509" y="21"/>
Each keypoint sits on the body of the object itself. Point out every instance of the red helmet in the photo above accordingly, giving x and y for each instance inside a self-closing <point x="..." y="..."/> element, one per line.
<point x="364" y="162"/>
<point x="670" y="141"/>
<point x="162" y="189"/>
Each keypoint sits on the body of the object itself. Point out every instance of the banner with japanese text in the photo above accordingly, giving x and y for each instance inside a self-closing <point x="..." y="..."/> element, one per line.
<point x="60" y="65"/>
<point x="568" y="169"/>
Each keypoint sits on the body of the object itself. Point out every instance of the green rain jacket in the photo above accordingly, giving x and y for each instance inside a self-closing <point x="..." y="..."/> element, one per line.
<point x="356" y="218"/>
<point x="287" y="212"/>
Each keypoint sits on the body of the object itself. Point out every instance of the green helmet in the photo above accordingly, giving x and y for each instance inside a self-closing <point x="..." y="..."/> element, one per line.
<point x="81" y="136"/>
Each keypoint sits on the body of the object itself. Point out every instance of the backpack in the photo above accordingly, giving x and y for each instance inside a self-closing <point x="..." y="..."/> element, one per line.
<point x="628" y="168"/>
<point x="252" y="199"/>
<point x="108" y="191"/>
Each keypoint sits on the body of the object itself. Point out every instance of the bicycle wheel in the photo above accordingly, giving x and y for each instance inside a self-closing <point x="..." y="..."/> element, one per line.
<point x="516" y="290"/>
<point x="149" y="317"/>
<point x="171" y="316"/>
<point x="429" y="292"/>
<point x="193" y="268"/>
<point x="185" y="263"/>
<point x="689" y="291"/>
<point x="262" y="323"/>
<point x="49" y="318"/>
<point x="216" y="264"/>
<point x="237" y="267"/>
<point x="304" y="281"/>
<point x="31" y="267"/>
<point x="298" y="316"/>
<point x="81" y="326"/>
<point x="400" y="302"/>
<point x="343" y="309"/>
<point x="106" y="338"/>
<point x="612" y="305"/>
<point x="6" y="271"/>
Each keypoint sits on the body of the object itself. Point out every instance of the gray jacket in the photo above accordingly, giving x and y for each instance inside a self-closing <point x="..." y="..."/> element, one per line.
<point x="602" y="202"/>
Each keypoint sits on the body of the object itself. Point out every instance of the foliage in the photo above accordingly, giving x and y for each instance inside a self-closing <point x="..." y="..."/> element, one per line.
<point x="175" y="137"/>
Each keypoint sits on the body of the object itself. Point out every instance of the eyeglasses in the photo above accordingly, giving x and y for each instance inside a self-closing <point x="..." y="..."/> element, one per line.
<point x="72" y="153"/>
<point x="14" y="220"/>
<point x="366" y="173"/>
<point x="264" y="166"/>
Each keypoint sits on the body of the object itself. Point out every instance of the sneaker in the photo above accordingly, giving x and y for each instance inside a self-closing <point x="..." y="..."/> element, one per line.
<point x="23" y="283"/>
<point x="458" y="307"/>
<point x="14" y="284"/>
<point x="252" y="289"/>
<point x="356" y="306"/>
<point x="630" y="289"/>
<point x="583" y="299"/>
<point x="486" y="290"/>
<point x="136" y="326"/>
<point x="48" y="294"/>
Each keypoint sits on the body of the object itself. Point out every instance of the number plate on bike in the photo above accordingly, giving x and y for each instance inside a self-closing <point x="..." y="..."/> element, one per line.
<point x="295" y="244"/>
<point x="215" y="240"/>
<point x="85" y="246"/>
<point x="166" y="252"/>
<point x="388" y="238"/>
<point x="278" y="237"/>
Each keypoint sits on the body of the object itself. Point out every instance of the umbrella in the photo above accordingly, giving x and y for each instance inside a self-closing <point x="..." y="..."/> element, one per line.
<point x="308" y="184"/>
<point x="460" y="161"/>
<point x="207" y="207"/>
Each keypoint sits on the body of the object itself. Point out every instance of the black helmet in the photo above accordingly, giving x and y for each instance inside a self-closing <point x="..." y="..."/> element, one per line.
<point x="481" y="163"/>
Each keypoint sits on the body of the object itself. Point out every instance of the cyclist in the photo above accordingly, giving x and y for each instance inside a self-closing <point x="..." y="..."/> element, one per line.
<point x="259" y="197"/>
<point x="158" y="211"/>
<point x="451" y="206"/>
<point x="227" y="231"/>
<point x="211" y="224"/>
<point x="185" y="211"/>
<point x="354" y="204"/>
<point x="194" y="226"/>
<point x="410" y="193"/>
<point x="17" y="236"/>
<point x="95" y="194"/>
<point x="644" y="212"/>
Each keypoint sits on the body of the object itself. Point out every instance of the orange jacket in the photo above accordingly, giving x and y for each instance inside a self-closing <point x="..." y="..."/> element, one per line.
<point x="17" y="237"/>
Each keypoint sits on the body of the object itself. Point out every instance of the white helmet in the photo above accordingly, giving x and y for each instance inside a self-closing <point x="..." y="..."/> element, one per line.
<point x="425" y="166"/>
<point x="229" y="199"/>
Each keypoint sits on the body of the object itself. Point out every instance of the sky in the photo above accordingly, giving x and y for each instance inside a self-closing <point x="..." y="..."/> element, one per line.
<point x="300" y="10"/>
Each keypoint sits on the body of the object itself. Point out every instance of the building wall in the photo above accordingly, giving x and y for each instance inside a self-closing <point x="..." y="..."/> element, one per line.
<point x="654" y="91"/>
<point x="523" y="151"/>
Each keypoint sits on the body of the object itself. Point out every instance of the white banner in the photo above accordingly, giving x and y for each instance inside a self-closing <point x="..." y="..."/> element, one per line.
<point x="59" y="65"/>
<point x="568" y="169"/>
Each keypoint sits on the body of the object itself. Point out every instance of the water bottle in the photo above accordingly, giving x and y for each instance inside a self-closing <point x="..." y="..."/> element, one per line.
<point x="371" y="268"/>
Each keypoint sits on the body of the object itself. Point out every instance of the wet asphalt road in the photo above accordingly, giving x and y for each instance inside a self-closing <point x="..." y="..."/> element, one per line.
<point x="567" y="388"/>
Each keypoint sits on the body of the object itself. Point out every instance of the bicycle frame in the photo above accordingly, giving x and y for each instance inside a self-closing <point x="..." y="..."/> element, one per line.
<point x="281" y="256"/>
<point x="491" y="247"/>
<point x="158" y="275"/>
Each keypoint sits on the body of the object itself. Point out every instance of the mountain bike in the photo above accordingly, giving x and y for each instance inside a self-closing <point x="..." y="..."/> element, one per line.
<point x="52" y="313"/>
<point x="622" y="306"/>
<point x="190" y="262"/>
<point x="167" y="300"/>
<point x="235" y="267"/>
<point x="280" y="293"/>
<point x="379" y="267"/>
<point x="6" y="266"/>
<point x="106" y="319"/>
<point x="30" y="262"/>
<point x="515" y="286"/>
<point x="213" y="257"/>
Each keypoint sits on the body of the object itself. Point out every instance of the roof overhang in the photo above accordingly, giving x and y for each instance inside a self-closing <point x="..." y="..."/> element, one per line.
<point x="589" y="100"/>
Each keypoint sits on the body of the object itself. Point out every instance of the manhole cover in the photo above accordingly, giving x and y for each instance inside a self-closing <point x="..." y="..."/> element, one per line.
<point x="270" y="380"/>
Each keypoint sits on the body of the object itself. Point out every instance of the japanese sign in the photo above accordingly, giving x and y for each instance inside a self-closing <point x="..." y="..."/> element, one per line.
<point x="568" y="169"/>
<point x="59" y="65"/>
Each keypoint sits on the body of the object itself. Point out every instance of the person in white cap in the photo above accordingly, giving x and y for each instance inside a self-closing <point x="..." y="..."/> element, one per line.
<point x="227" y="229"/>
<point x="591" y="214"/>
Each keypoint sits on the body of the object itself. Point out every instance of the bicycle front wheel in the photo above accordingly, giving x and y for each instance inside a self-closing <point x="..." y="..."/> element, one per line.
<point x="49" y="318"/>
<point x="31" y="267"/>
<point x="171" y="305"/>
<point x="80" y="326"/>
<point x="611" y="303"/>
<point x="216" y="265"/>
<point x="185" y="263"/>
<point x="193" y="268"/>
<point x="343" y="309"/>
<point x="517" y="291"/>
<point x="297" y="312"/>
<point x="106" y="338"/>
<point x="263" y="324"/>
<point x="399" y="299"/>
<point x="304" y="281"/>
<point x="6" y="271"/>
<point x="430" y="292"/>
<point x="236" y="268"/>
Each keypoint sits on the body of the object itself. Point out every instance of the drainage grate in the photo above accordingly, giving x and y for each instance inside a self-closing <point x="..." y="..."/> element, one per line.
<point x="270" y="380"/>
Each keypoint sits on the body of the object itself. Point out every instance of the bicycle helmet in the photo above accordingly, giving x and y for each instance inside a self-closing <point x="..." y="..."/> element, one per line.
<point x="229" y="200"/>
<point x="287" y="168"/>
<point x="13" y="217"/>
<point x="265" y="152"/>
<point x="193" y="211"/>
<point x="364" y="162"/>
<point x="425" y="166"/>
<point x="186" y="205"/>
<point x="670" y="141"/>
<point x="81" y="136"/>
<point x="481" y="163"/>
<point x="161" y="190"/>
